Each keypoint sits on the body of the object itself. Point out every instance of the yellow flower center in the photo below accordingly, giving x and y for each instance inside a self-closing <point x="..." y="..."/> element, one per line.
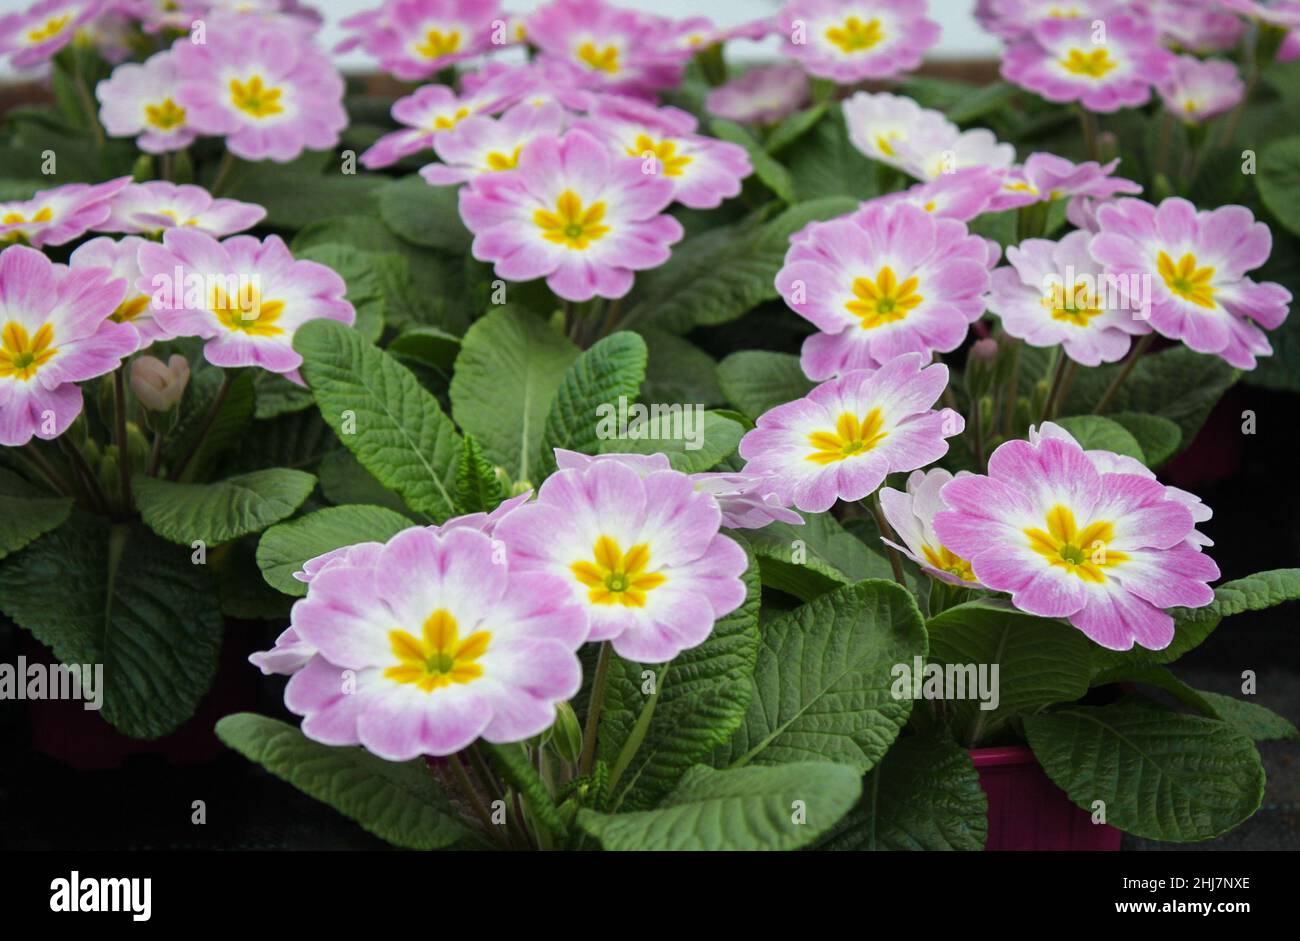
<point x="617" y="578"/>
<point x="1093" y="64"/>
<point x="665" y="151"/>
<point x="255" y="98"/>
<point x="130" y="309"/>
<point x="602" y="59"/>
<point x="570" y="224"/>
<point x="246" y="311"/>
<point x="21" y="354"/>
<point x="438" y="658"/>
<point x="171" y="214"/>
<point x="1186" y="280"/>
<point x="850" y="437"/>
<point x="15" y="217"/>
<point x="945" y="560"/>
<point x="52" y="27"/>
<point x="856" y="35"/>
<point x="165" y="115"/>
<point x="1076" y="306"/>
<point x="437" y="44"/>
<point x="885" y="142"/>
<point x="1080" y="551"/>
<point x="883" y="300"/>
<point x="445" y="122"/>
<point x="497" y="161"/>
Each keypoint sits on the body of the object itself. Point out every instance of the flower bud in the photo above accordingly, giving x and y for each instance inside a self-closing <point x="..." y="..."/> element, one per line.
<point x="138" y="446"/>
<point x="157" y="385"/>
<point x="981" y="365"/>
<point x="566" y="733"/>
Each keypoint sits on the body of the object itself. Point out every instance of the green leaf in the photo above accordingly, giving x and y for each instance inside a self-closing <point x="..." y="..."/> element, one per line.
<point x="738" y="809"/>
<point x="1193" y="625"/>
<point x="1254" y="720"/>
<point x="1097" y="433"/>
<point x="610" y="371"/>
<point x="794" y="126"/>
<point x="812" y="559"/>
<point x="1158" y="437"/>
<point x="827" y="164"/>
<point x="755" y="381"/>
<point x="396" y="801"/>
<point x="719" y="275"/>
<point x="297" y="440"/>
<point x="219" y="512"/>
<point x="303" y="190"/>
<point x="924" y="794"/>
<point x="425" y="215"/>
<point x="510" y="366"/>
<point x="1162" y="776"/>
<point x="1175" y="383"/>
<point x="26" y="512"/>
<point x="343" y="481"/>
<point x="1040" y="661"/>
<point x="365" y="274"/>
<point x="1161" y="678"/>
<point x="768" y="170"/>
<point x="477" y="488"/>
<point x="822" y="686"/>
<point x="694" y="441"/>
<point x="383" y="415"/>
<point x="275" y="395"/>
<point x="679" y="371"/>
<point x="1278" y="180"/>
<point x="429" y="345"/>
<point x="121" y="597"/>
<point x="986" y="100"/>
<point x="285" y="547"/>
<point x="244" y="593"/>
<point x="701" y="700"/>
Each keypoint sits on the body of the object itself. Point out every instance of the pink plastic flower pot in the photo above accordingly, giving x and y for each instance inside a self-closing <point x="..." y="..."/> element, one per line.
<point x="1029" y="812"/>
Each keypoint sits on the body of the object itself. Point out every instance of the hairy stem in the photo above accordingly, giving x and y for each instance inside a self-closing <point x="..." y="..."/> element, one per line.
<point x="598" y="684"/>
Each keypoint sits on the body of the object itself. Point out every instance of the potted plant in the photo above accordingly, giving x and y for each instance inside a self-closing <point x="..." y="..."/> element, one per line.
<point x="648" y="454"/>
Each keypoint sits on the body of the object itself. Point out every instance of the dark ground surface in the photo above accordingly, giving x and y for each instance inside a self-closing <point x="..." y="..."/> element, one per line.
<point x="147" y="803"/>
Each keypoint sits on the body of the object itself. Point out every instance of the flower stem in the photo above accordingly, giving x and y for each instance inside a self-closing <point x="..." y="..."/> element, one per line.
<point x="886" y="532"/>
<point x="466" y="786"/>
<point x="213" y="410"/>
<point x="48" y="470"/>
<point x="155" y="455"/>
<point x="520" y="838"/>
<point x="637" y="736"/>
<point x="1055" y="397"/>
<point x="977" y="424"/>
<point x="1088" y="122"/>
<point x="226" y="382"/>
<point x="88" y="105"/>
<point x="94" y="492"/>
<point x="1139" y="348"/>
<point x="597" y="702"/>
<point x="123" y="444"/>
<point x="223" y="172"/>
<point x="1010" y="395"/>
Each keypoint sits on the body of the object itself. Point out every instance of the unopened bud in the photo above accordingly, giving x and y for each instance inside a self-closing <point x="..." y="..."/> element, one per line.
<point x="981" y="367"/>
<point x="157" y="385"/>
<point x="566" y="733"/>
